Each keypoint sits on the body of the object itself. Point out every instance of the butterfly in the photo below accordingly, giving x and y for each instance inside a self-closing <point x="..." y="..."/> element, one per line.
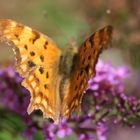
<point x="55" y="78"/>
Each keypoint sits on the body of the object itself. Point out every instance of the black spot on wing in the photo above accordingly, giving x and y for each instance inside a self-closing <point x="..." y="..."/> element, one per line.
<point x="45" y="86"/>
<point x="32" y="53"/>
<point x="36" y="36"/>
<point x="47" y="75"/>
<point x="26" y="47"/>
<point x="81" y="72"/>
<point x="18" y="31"/>
<point x="45" y="45"/>
<point x="38" y="80"/>
<point x="42" y="58"/>
<point x="31" y="64"/>
<point x="17" y="36"/>
<point x="87" y="68"/>
<point x="41" y="70"/>
<point x="89" y="57"/>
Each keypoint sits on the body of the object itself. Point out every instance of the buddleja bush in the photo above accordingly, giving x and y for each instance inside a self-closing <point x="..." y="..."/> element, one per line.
<point x="105" y="100"/>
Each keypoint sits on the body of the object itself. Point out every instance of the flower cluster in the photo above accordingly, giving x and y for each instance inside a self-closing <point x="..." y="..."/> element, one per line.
<point x="15" y="98"/>
<point x="104" y="100"/>
<point x="108" y="93"/>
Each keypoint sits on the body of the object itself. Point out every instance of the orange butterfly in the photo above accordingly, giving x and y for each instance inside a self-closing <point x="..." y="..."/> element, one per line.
<point x="56" y="80"/>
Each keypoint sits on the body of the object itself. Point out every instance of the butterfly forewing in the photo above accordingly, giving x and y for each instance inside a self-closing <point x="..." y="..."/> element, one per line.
<point x="37" y="61"/>
<point x="84" y="69"/>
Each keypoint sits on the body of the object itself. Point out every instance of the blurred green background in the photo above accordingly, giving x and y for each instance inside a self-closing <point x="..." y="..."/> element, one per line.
<point x="67" y="20"/>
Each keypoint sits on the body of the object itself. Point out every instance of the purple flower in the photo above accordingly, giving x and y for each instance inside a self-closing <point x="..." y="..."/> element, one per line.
<point x="104" y="99"/>
<point x="101" y="131"/>
<point x="27" y="120"/>
<point x="85" y="137"/>
<point x="29" y="132"/>
<point x="23" y="104"/>
<point x="9" y="99"/>
<point x="49" y="130"/>
<point x="107" y="89"/>
<point x="63" y="130"/>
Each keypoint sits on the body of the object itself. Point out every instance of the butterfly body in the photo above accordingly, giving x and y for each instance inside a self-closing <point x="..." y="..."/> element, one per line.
<point x="56" y="79"/>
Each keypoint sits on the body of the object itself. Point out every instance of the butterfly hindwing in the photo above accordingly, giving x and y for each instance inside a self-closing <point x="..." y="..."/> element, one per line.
<point x="37" y="62"/>
<point x="84" y="69"/>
